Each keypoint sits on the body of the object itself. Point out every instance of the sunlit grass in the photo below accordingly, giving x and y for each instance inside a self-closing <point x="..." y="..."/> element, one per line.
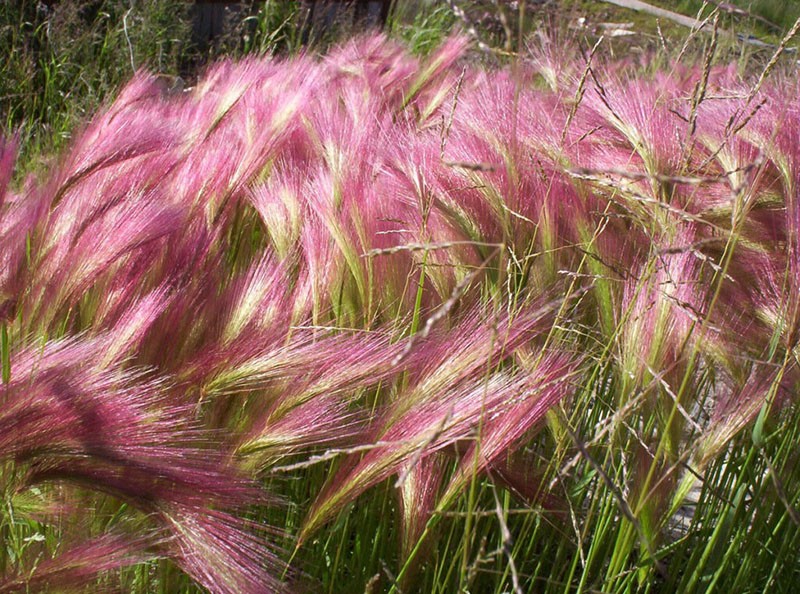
<point x="387" y="323"/>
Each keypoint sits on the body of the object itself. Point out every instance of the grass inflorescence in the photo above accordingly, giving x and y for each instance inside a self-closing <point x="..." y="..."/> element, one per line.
<point x="376" y="322"/>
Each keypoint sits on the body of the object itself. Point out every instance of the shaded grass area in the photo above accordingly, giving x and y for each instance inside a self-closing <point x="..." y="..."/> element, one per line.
<point x="63" y="62"/>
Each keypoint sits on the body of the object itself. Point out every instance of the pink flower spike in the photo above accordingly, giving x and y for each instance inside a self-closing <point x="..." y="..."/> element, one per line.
<point x="80" y="565"/>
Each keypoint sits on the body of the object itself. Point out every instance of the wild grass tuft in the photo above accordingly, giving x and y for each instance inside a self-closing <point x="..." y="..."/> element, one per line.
<point x="379" y="322"/>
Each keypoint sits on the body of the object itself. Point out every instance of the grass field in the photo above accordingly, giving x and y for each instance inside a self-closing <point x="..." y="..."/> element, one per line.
<point x="499" y="301"/>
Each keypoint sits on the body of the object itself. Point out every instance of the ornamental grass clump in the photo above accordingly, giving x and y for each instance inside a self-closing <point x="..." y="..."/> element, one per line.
<point x="407" y="324"/>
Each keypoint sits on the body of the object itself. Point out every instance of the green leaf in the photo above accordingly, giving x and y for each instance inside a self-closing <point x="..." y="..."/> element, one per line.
<point x="758" y="428"/>
<point x="5" y="356"/>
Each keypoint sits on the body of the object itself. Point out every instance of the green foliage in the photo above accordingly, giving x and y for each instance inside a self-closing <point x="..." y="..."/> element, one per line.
<point x="422" y="26"/>
<point x="276" y="27"/>
<point x="66" y="60"/>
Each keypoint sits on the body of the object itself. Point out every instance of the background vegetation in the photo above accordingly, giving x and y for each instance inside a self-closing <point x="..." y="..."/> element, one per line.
<point x="65" y="58"/>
